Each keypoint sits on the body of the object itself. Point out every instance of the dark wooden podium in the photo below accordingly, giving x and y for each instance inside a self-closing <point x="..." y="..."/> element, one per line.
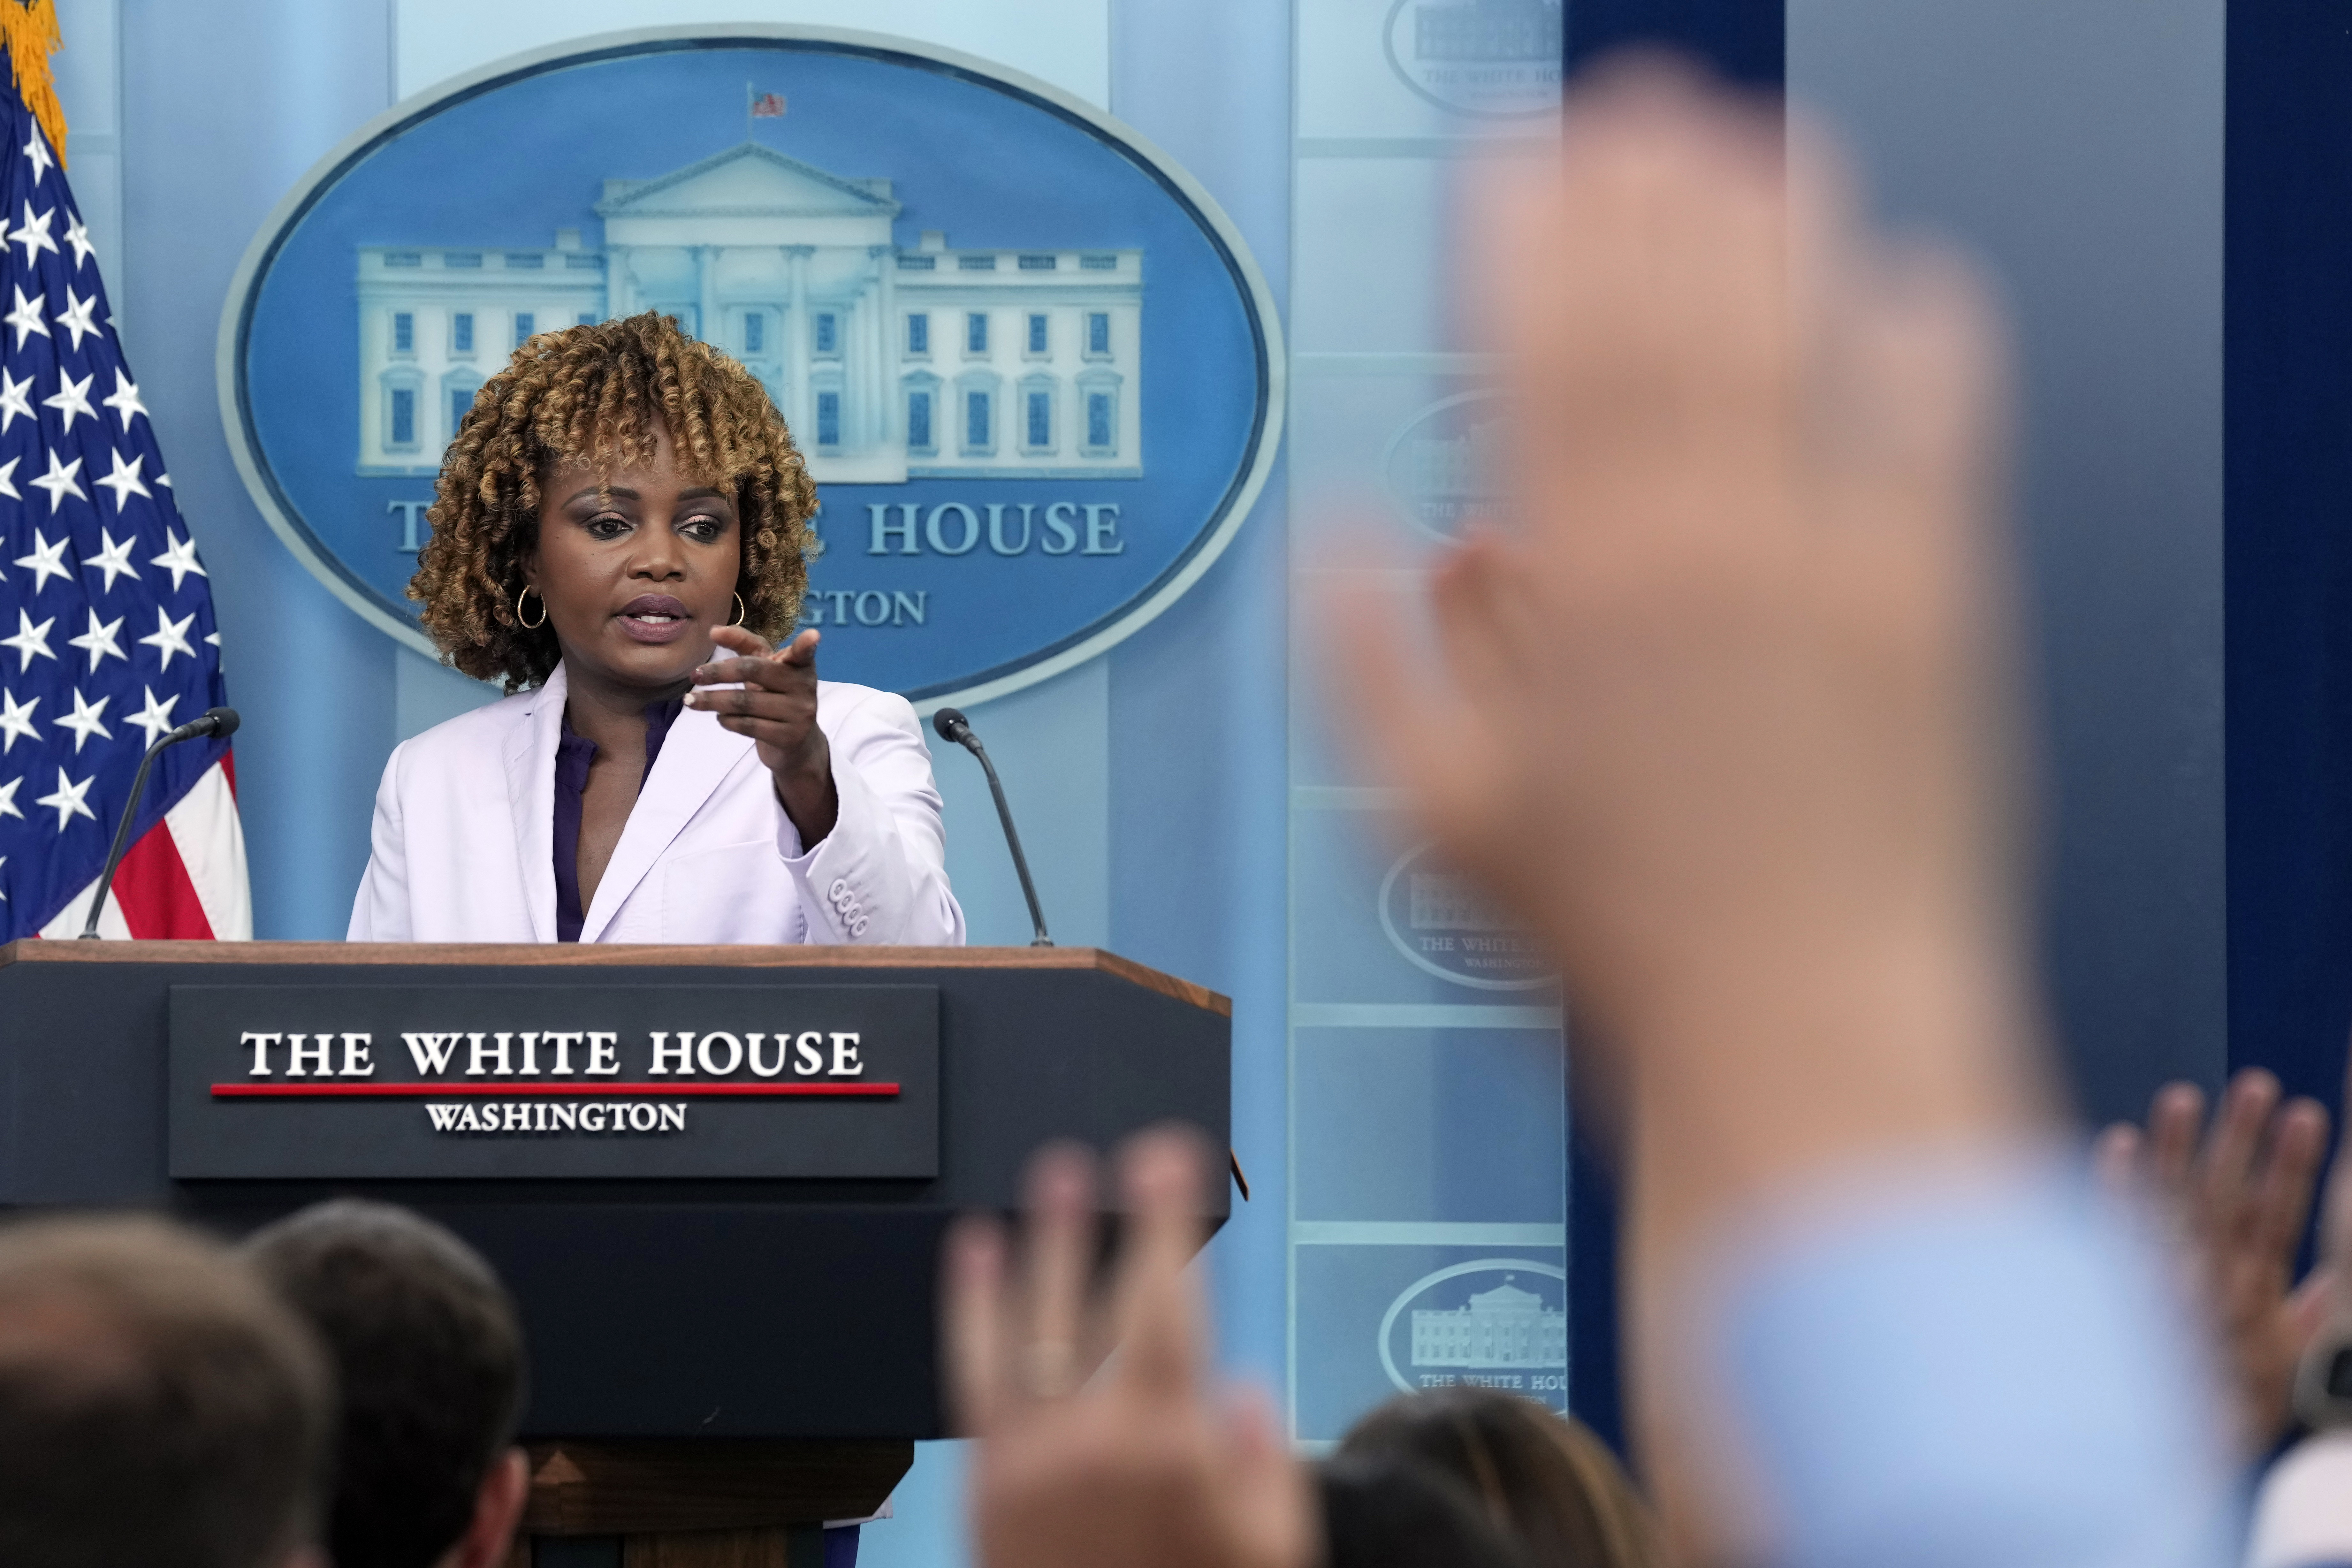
<point x="719" y="1360"/>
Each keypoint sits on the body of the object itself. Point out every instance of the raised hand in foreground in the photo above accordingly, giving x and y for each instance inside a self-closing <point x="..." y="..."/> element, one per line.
<point x="1141" y="1463"/>
<point x="1722" y="710"/>
<point x="2233" y="1197"/>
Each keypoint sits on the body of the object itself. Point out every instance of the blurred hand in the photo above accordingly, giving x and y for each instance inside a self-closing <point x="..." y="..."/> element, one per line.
<point x="1141" y="1464"/>
<point x="1721" y="709"/>
<point x="2233" y="1197"/>
<point x="1725" y="694"/>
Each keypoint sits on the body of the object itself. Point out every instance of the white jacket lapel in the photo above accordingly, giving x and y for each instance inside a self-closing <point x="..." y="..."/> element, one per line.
<point x="530" y="795"/>
<point x="696" y="756"/>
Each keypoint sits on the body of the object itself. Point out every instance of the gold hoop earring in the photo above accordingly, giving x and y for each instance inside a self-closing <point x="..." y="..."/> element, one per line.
<point x="739" y="612"/>
<point x="529" y="589"/>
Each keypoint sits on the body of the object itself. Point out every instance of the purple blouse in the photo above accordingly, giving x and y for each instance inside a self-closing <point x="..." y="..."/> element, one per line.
<point x="573" y="754"/>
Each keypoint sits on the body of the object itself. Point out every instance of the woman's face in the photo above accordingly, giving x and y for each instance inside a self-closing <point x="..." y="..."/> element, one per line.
<point x="635" y="574"/>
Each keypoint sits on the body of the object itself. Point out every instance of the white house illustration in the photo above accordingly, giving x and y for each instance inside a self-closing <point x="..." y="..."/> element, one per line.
<point x="1487" y="30"/>
<point x="887" y="364"/>
<point x="1503" y="1327"/>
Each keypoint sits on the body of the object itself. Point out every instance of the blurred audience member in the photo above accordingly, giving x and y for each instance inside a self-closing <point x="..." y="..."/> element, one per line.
<point x="1724" y="711"/>
<point x="424" y="1341"/>
<point x="2233" y="1199"/>
<point x="1545" y="1480"/>
<point x="1388" y="1511"/>
<point x="1725" y="714"/>
<point x="159" y="1407"/>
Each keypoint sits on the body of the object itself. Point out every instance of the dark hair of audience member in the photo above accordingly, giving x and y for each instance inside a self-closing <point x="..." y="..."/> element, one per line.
<point x="1390" y="1511"/>
<point x="1548" y="1482"/>
<point x="426" y="1341"/>
<point x="158" y="1406"/>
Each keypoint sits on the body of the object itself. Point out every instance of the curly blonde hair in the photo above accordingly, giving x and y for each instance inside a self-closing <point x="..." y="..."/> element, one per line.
<point x="597" y="394"/>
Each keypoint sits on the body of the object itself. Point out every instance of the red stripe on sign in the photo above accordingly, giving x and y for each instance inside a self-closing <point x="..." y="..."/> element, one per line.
<point x="598" y="1090"/>
<point x="152" y="889"/>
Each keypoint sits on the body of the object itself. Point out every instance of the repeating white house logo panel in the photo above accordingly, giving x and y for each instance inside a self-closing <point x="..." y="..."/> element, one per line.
<point x="1498" y="1322"/>
<point x="1499" y="58"/>
<point x="1035" y="373"/>
<point x="1447" y="925"/>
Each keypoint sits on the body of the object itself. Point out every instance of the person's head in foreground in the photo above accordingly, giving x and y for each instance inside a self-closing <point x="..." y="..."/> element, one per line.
<point x="616" y="493"/>
<point x="424" y="1339"/>
<point x="158" y="1406"/>
<point x="1547" y="1482"/>
<point x="1386" y="1510"/>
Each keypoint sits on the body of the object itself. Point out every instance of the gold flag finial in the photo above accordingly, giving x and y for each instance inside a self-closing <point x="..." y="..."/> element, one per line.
<point x="29" y="29"/>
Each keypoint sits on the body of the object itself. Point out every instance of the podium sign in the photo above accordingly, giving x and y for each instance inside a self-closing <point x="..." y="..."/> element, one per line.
<point x="764" y="1273"/>
<point x="544" y="1081"/>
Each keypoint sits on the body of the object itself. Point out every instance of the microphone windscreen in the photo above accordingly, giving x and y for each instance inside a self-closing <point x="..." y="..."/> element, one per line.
<point x="950" y="725"/>
<point x="225" y="720"/>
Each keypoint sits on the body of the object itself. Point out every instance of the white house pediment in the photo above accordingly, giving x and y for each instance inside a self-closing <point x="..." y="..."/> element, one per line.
<point x="747" y="180"/>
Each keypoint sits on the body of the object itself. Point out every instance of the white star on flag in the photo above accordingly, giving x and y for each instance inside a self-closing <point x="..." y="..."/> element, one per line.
<point x="29" y="640"/>
<point x="8" y="799"/>
<point x="16" y="720"/>
<point x="123" y="400"/>
<point x="38" y="152"/>
<point x="154" y="721"/>
<point x="26" y="318"/>
<point x="84" y="720"/>
<point x="65" y="799"/>
<point x="76" y="320"/>
<point x="72" y="398"/>
<point x="47" y="560"/>
<point x="78" y="236"/>
<point x="60" y="480"/>
<point x="124" y="480"/>
<point x="170" y="636"/>
<point x="179" y="558"/>
<point x="7" y="481"/>
<point x="13" y="400"/>
<point x="115" y="558"/>
<point x="98" y="641"/>
<point x="33" y="234"/>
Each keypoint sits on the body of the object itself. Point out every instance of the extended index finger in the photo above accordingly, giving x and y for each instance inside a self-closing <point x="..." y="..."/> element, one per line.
<point x="787" y="668"/>
<point x="1158" y="1315"/>
<point x="972" y="1327"/>
<point x="2298" y="1142"/>
<point x="2236" y="1139"/>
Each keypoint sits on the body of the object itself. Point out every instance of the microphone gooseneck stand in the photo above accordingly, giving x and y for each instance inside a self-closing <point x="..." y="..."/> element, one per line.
<point x="955" y="728"/>
<point x="220" y="722"/>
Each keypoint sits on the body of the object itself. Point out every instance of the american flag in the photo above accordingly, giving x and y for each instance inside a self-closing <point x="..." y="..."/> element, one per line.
<point x="107" y="637"/>
<point x="767" y="105"/>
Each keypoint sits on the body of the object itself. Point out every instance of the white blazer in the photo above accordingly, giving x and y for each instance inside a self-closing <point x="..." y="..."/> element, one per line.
<point x="465" y="835"/>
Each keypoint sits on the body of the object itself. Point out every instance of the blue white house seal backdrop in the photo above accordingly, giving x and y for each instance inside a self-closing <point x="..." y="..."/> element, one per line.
<point x="1037" y="374"/>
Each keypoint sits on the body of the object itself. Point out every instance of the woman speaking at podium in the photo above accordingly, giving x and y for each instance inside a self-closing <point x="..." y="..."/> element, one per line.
<point x="620" y="530"/>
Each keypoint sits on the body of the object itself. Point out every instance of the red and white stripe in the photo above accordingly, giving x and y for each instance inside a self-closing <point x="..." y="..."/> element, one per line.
<point x="184" y="879"/>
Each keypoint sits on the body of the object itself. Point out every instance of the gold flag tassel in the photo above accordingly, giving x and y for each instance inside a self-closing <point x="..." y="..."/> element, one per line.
<point x="29" y="29"/>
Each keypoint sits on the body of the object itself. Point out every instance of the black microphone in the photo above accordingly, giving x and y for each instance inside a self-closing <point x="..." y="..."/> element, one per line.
<point x="954" y="727"/>
<point x="220" y="722"/>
